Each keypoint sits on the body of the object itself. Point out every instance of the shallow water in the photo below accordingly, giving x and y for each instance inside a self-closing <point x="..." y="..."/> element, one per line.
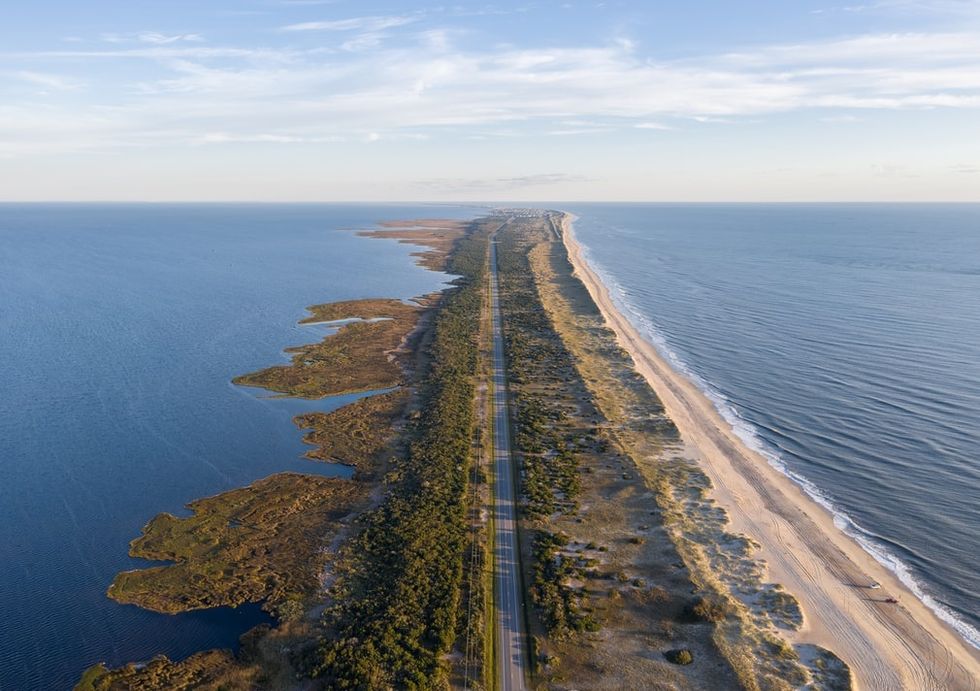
<point x="121" y="327"/>
<point x="844" y="342"/>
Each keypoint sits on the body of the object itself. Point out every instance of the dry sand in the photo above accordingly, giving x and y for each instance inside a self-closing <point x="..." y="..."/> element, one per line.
<point x="888" y="646"/>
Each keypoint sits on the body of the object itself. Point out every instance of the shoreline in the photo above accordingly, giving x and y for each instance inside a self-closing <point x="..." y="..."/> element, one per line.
<point x="274" y="542"/>
<point x="904" y="645"/>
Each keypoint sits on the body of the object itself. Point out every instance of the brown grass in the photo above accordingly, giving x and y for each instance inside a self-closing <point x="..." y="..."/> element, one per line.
<point x="271" y="541"/>
<point x="438" y="235"/>
<point x="361" y="356"/>
<point x="355" y="434"/>
<point x="634" y="583"/>
<point x="212" y="669"/>
<point x="263" y="542"/>
<point x="691" y="527"/>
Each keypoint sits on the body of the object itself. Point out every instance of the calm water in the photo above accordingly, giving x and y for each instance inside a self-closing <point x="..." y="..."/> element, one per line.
<point x="843" y="340"/>
<point x="120" y="328"/>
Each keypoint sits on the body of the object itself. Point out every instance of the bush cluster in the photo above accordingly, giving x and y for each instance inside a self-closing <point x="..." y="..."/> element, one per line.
<point x="708" y="608"/>
<point x="537" y="358"/>
<point x="559" y="604"/>
<point x="398" y="605"/>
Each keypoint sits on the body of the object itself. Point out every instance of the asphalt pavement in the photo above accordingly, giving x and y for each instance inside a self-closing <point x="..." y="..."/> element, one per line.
<point x="511" y="647"/>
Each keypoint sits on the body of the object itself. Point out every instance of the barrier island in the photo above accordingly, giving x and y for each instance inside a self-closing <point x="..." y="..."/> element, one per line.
<point x="636" y="567"/>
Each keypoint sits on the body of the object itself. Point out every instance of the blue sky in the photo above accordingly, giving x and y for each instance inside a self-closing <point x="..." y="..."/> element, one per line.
<point x="357" y="100"/>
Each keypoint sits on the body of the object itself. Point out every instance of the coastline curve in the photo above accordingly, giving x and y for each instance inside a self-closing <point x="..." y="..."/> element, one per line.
<point x="805" y="544"/>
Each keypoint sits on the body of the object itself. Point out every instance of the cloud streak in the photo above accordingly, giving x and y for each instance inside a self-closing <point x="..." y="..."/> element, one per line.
<point x="501" y="184"/>
<point x="153" y="37"/>
<point x="54" y="82"/>
<point x="421" y="86"/>
<point x="353" y="24"/>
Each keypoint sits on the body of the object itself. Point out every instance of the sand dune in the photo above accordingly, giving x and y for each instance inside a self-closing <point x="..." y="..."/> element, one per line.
<point x="888" y="646"/>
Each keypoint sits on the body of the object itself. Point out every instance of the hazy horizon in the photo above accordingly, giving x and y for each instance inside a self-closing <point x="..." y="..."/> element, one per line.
<point x="553" y="204"/>
<point x="331" y="100"/>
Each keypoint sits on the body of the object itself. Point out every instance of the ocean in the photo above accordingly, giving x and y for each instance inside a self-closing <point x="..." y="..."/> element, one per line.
<point x="121" y="327"/>
<point x="841" y="340"/>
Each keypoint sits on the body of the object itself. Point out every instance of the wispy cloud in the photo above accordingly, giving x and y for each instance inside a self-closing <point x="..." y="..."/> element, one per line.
<point x="153" y="37"/>
<point x="55" y="82"/>
<point x="158" y="53"/>
<point x="418" y="87"/>
<point x="352" y="24"/>
<point x="914" y="7"/>
<point x="501" y="184"/>
<point x="263" y="138"/>
<point x="545" y="179"/>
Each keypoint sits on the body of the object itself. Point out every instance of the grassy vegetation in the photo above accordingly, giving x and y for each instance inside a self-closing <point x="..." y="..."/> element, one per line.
<point x="268" y="542"/>
<point x="474" y="633"/>
<point x="473" y="655"/>
<point x="736" y="640"/>
<point x="561" y="606"/>
<point x="680" y="657"/>
<point x="261" y="543"/>
<point x="549" y="432"/>
<point x="600" y="555"/>
<point x="711" y="608"/>
<point x="358" y="357"/>
<point x="550" y="469"/>
<point x="213" y="669"/>
<point x="607" y="540"/>
<point x="437" y="234"/>
<point x="355" y="434"/>
<point x="377" y="308"/>
<point x="397" y="603"/>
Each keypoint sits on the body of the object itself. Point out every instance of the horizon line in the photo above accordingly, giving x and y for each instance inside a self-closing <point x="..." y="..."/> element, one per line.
<point x="494" y="203"/>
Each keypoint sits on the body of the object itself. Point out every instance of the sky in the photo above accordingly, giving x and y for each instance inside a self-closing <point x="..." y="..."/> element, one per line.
<point x="364" y="100"/>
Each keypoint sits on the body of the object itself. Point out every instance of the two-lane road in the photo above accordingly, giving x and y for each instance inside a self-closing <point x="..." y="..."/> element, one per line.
<point x="511" y="663"/>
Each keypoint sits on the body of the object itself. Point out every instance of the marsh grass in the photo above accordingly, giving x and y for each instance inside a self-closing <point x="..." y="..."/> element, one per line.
<point x="360" y="356"/>
<point x="260" y="543"/>
<point x="212" y="669"/>
<point x="273" y="540"/>
<point x="356" y="434"/>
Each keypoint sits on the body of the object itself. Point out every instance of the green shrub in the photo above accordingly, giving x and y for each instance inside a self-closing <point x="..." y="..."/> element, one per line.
<point x="680" y="657"/>
<point x="397" y="607"/>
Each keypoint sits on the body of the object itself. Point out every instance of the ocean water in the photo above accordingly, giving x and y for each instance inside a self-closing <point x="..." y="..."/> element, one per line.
<point x="120" y="329"/>
<point x="841" y="340"/>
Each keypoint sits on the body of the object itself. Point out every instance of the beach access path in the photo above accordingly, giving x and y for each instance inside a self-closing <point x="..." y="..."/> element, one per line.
<point x="888" y="645"/>
<point x="508" y="590"/>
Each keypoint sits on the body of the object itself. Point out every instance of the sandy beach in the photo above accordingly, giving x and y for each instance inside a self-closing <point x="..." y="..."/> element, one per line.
<point x="887" y="645"/>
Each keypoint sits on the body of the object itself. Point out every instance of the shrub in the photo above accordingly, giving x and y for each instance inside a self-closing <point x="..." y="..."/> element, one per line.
<point x="397" y="609"/>
<point x="708" y="608"/>
<point x="680" y="657"/>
